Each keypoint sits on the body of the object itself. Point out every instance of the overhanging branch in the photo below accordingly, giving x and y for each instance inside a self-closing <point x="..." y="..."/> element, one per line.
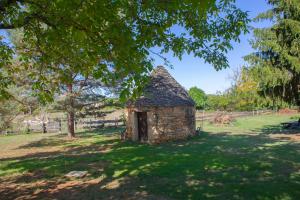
<point x="6" y="27"/>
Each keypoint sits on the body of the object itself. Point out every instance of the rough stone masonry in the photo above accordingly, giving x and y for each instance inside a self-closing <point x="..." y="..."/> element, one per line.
<point x="168" y="111"/>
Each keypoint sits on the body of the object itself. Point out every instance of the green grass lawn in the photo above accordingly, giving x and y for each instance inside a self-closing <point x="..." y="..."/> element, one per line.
<point x="243" y="161"/>
<point x="257" y="124"/>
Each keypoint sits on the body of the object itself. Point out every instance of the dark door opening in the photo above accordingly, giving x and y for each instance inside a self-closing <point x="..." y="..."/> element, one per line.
<point x="142" y="126"/>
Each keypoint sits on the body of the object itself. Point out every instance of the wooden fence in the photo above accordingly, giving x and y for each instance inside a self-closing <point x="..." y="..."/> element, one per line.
<point x="97" y="123"/>
<point x="207" y="116"/>
<point x="60" y="125"/>
<point x="92" y="123"/>
<point x="44" y="127"/>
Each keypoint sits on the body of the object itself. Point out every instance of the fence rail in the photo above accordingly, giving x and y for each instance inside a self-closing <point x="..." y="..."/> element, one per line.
<point x="60" y="125"/>
<point x="93" y="124"/>
<point x="207" y="116"/>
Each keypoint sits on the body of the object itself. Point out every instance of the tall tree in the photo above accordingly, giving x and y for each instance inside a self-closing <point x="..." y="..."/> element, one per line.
<point x="244" y="91"/>
<point x="84" y="96"/>
<point x="73" y="90"/>
<point x="275" y="64"/>
<point x="110" y="40"/>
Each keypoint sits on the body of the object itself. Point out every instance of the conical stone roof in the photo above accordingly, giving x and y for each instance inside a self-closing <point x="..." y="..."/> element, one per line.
<point x="162" y="91"/>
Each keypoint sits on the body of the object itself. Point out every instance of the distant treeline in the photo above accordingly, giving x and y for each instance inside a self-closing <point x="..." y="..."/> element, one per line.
<point x="243" y="95"/>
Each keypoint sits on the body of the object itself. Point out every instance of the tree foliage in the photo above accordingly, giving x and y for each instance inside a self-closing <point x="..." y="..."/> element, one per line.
<point x="198" y="96"/>
<point x="243" y="95"/>
<point x="83" y="97"/>
<point x="275" y="64"/>
<point x="20" y="102"/>
<point x="220" y="101"/>
<point x="113" y="40"/>
<point x="73" y="93"/>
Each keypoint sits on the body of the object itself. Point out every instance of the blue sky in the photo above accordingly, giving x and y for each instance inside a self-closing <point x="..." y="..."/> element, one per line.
<point x="192" y="71"/>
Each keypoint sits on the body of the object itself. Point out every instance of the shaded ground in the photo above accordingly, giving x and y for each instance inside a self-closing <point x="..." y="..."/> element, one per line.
<point x="254" y="159"/>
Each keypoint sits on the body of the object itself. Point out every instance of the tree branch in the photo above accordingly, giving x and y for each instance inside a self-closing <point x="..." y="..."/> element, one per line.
<point x="6" y="3"/>
<point x="6" y="27"/>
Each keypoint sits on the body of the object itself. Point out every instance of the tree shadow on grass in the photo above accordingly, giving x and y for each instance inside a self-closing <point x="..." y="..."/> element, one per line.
<point x="101" y="131"/>
<point x="61" y="139"/>
<point x="276" y="129"/>
<point x="209" y="166"/>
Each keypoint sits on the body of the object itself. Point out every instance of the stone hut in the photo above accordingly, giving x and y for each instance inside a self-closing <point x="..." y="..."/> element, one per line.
<point x="164" y="112"/>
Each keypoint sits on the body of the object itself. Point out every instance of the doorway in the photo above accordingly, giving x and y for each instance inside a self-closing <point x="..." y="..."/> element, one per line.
<point x="142" y="126"/>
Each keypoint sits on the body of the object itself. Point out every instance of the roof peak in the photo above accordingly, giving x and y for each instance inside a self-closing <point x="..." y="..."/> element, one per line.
<point x="163" y="90"/>
<point x="160" y="69"/>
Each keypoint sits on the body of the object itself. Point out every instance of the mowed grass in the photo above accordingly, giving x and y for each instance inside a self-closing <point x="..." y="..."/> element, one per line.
<point x="253" y="124"/>
<point x="251" y="159"/>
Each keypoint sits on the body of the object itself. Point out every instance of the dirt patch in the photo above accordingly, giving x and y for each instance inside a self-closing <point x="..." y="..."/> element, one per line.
<point x="288" y="111"/>
<point x="27" y="152"/>
<point x="93" y="188"/>
<point x="290" y="137"/>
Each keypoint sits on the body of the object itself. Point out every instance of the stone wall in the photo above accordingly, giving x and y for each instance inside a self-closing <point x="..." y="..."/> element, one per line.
<point x="164" y="123"/>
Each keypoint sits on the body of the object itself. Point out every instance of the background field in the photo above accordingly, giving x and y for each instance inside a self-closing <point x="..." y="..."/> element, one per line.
<point x="253" y="158"/>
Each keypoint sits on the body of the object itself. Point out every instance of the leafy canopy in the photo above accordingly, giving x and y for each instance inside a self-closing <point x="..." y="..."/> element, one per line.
<point x="275" y="64"/>
<point x="198" y="96"/>
<point x="113" y="40"/>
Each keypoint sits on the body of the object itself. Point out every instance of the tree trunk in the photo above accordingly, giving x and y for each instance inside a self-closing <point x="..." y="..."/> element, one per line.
<point x="297" y="97"/>
<point x="273" y="99"/>
<point x="71" y="118"/>
<point x="71" y="112"/>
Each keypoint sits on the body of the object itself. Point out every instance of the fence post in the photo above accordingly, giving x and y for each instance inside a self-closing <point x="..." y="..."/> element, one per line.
<point x="28" y="127"/>
<point x="76" y="124"/>
<point x="59" y="125"/>
<point x="44" y="127"/>
<point x="116" y="123"/>
<point x="202" y="119"/>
